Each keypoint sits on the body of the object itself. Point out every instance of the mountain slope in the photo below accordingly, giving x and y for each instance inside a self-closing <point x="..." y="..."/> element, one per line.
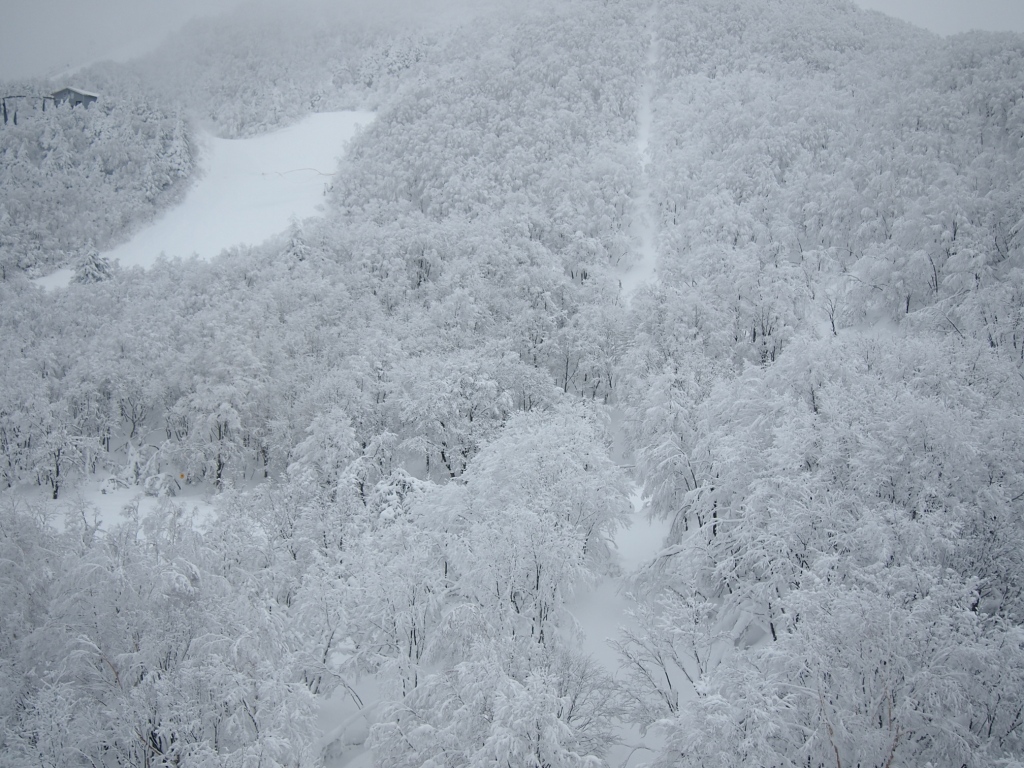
<point x="401" y="412"/>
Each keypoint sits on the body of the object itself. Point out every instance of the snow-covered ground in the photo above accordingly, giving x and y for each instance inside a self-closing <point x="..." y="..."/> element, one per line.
<point x="248" y="190"/>
<point x="102" y="504"/>
<point x="602" y="611"/>
<point x="57" y="279"/>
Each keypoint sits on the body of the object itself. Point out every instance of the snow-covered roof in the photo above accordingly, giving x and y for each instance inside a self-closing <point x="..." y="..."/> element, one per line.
<point x="79" y="91"/>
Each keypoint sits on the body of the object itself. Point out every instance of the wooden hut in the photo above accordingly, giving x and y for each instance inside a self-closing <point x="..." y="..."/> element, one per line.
<point x="73" y="96"/>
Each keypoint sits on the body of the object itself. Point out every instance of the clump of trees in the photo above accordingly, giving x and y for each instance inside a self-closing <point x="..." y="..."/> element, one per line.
<point x="81" y="179"/>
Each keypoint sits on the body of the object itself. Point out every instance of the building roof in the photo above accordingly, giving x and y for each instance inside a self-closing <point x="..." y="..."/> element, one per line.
<point x="79" y="91"/>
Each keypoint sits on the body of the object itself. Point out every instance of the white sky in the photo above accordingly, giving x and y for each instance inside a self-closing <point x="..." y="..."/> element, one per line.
<point x="951" y="16"/>
<point x="45" y="37"/>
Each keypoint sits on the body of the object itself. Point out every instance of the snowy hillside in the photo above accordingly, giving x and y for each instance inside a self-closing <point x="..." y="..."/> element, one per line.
<point x="646" y="390"/>
<point x="249" y="190"/>
<point x="76" y="180"/>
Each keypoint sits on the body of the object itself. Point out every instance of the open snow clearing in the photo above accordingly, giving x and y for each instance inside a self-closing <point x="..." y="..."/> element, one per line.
<point x="248" y="191"/>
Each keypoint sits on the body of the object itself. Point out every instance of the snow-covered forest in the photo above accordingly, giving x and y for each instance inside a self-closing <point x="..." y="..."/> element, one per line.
<point x="75" y="180"/>
<point x="753" y="271"/>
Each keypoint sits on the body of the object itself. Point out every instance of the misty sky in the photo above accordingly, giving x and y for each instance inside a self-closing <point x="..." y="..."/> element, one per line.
<point x="951" y="16"/>
<point x="46" y="37"/>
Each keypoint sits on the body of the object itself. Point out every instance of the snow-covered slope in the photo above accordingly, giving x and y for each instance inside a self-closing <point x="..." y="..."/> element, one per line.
<point x="407" y="428"/>
<point x="250" y="189"/>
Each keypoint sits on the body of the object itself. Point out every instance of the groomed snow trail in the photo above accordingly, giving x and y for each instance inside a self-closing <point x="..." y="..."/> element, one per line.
<point x="248" y="191"/>
<point x="644" y="225"/>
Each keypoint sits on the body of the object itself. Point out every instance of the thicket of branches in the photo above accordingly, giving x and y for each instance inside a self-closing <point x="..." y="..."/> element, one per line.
<point x="75" y="180"/>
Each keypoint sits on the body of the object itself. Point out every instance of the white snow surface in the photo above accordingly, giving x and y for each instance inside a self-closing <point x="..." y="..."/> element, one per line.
<point x="100" y="502"/>
<point x="58" y="279"/>
<point x="603" y="611"/>
<point x="248" y="191"/>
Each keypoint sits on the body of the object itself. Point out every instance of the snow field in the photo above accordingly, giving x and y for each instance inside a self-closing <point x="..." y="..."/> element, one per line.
<point x="604" y="610"/>
<point x="102" y="504"/>
<point x="248" y="191"/>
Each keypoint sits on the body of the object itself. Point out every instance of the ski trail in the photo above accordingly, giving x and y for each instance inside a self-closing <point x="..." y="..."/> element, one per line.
<point x="250" y="190"/>
<point x="644" y="226"/>
<point x="602" y="612"/>
<point x="247" y="191"/>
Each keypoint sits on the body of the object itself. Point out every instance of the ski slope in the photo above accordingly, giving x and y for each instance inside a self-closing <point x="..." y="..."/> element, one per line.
<point x="248" y="190"/>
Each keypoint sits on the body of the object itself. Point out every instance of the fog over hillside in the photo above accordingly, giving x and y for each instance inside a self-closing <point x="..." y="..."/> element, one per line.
<point x="98" y="30"/>
<point x="745" y="276"/>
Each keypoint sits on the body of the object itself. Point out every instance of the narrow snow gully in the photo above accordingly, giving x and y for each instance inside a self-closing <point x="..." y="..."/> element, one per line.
<point x="604" y="611"/>
<point x="643" y="229"/>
